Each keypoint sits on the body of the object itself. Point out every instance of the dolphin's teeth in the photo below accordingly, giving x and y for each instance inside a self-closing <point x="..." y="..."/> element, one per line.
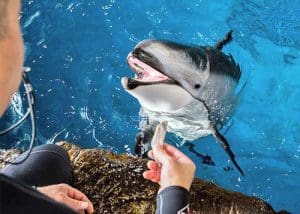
<point x="140" y="75"/>
<point x="138" y="66"/>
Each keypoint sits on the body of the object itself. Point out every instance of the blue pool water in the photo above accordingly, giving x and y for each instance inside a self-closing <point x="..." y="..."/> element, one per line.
<point x="77" y="50"/>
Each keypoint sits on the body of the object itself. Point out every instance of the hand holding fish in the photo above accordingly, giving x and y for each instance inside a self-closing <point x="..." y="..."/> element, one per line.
<point x="171" y="167"/>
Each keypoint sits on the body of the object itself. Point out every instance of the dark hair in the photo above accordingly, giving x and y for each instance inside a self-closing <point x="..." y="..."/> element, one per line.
<point x="3" y="13"/>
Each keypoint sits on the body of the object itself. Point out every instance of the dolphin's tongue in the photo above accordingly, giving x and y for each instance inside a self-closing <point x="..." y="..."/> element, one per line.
<point x="144" y="72"/>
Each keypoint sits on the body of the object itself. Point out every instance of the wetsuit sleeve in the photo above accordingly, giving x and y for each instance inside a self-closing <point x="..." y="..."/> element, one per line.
<point x="19" y="199"/>
<point x="173" y="200"/>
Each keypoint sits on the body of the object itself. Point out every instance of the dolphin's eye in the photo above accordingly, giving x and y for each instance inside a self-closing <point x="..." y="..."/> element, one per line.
<point x="197" y="86"/>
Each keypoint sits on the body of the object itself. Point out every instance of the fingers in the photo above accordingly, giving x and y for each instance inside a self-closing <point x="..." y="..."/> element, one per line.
<point x="166" y="151"/>
<point x="169" y="167"/>
<point x="159" y="154"/>
<point x="174" y="152"/>
<point x="77" y="195"/>
<point x="152" y="175"/>
<point x="152" y="165"/>
<point x="150" y="154"/>
<point x="149" y="174"/>
<point x="69" y="196"/>
<point x="73" y="203"/>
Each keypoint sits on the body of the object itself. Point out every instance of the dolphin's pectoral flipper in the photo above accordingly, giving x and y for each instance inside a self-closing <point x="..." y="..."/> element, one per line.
<point x="226" y="147"/>
<point x="224" y="41"/>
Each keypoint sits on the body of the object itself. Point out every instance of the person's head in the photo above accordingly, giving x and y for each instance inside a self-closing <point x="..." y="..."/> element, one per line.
<point x="11" y="51"/>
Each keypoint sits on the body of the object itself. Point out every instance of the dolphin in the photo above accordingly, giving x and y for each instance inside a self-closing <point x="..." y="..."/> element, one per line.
<point x="191" y="87"/>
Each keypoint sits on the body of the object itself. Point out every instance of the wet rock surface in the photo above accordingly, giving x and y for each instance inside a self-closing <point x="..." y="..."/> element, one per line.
<point x="114" y="184"/>
<point x="8" y="155"/>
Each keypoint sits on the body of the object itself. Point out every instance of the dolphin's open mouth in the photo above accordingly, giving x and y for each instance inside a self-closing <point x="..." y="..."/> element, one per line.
<point x="144" y="72"/>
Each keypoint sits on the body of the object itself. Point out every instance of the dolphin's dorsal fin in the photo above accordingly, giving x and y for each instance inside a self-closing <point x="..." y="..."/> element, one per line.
<point x="224" y="41"/>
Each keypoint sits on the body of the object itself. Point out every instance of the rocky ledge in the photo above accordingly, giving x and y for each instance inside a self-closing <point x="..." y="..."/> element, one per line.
<point x="114" y="183"/>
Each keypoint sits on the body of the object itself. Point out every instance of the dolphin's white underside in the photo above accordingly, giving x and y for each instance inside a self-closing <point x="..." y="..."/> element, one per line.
<point x="189" y="123"/>
<point x="161" y="97"/>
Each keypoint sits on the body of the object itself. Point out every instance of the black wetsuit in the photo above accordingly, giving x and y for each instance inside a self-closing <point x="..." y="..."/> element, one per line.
<point x="173" y="200"/>
<point x="48" y="165"/>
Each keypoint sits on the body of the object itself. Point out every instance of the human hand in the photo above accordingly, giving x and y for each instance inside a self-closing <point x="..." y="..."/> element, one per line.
<point x="171" y="168"/>
<point x="69" y="196"/>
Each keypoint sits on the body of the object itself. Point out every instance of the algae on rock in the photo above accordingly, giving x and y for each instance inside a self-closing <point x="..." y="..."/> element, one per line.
<point x="114" y="184"/>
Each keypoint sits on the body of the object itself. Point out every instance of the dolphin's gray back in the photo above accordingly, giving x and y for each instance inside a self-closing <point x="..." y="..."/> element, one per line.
<point x="221" y="63"/>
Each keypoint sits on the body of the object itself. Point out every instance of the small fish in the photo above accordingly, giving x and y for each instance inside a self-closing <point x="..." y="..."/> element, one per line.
<point x="159" y="134"/>
<point x="158" y="138"/>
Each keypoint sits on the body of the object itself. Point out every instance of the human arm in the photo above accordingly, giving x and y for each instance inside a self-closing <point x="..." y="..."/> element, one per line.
<point x="174" y="172"/>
